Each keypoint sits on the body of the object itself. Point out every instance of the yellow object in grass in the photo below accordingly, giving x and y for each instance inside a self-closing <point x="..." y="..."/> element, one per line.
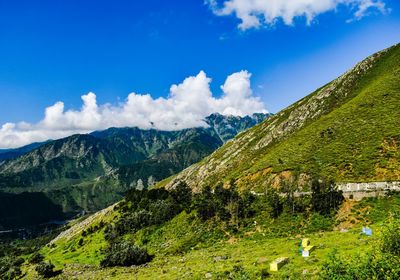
<point x="305" y="242"/>
<point x="278" y="263"/>
<point x="309" y="248"/>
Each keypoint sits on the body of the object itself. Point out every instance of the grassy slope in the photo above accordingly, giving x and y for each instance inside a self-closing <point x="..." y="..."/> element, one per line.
<point x="360" y="128"/>
<point x="67" y="249"/>
<point x="177" y="256"/>
<point x="356" y="138"/>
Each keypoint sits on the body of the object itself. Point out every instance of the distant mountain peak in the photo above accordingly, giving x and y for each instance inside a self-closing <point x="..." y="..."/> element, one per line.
<point x="90" y="171"/>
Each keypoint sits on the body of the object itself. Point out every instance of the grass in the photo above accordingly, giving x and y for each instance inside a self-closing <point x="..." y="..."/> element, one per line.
<point x="69" y="251"/>
<point x="186" y="248"/>
<point x="252" y="253"/>
<point x="355" y="138"/>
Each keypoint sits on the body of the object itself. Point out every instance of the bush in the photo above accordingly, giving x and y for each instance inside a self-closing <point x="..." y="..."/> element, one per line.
<point x="13" y="273"/>
<point x="124" y="254"/>
<point x="391" y="238"/>
<point x="36" y="258"/>
<point x="334" y="268"/>
<point x="9" y="268"/>
<point x="237" y="273"/>
<point x="46" y="270"/>
<point x="80" y="242"/>
<point x="18" y="261"/>
<point x="318" y="222"/>
<point x="133" y="222"/>
<point x="373" y="266"/>
<point x="162" y="211"/>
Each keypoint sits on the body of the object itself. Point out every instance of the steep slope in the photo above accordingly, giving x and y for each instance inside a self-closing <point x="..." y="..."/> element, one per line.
<point x="348" y="130"/>
<point x="81" y="158"/>
<point x="60" y="162"/>
<point x="14" y="153"/>
<point x="168" y="162"/>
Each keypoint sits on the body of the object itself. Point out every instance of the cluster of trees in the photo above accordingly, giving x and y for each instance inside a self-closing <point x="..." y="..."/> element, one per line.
<point x="93" y="229"/>
<point x="324" y="199"/>
<point x="143" y="208"/>
<point x="140" y="209"/>
<point x="228" y="206"/>
<point x="10" y="263"/>
<point x="10" y="267"/>
<point x="225" y="204"/>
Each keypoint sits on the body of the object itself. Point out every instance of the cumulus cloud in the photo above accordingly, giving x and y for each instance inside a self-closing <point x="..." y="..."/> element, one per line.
<point x="256" y="13"/>
<point x="186" y="106"/>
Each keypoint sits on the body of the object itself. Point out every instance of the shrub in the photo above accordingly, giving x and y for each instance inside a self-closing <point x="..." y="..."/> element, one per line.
<point x="391" y="238"/>
<point x="162" y="211"/>
<point x="36" y="258"/>
<point x="110" y="233"/>
<point x="18" y="261"/>
<point x="13" y="272"/>
<point x="383" y="263"/>
<point x="9" y="268"/>
<point x="124" y="254"/>
<point x="80" y="242"/>
<point x="318" y="222"/>
<point x="133" y="222"/>
<point x="334" y="268"/>
<point x="45" y="269"/>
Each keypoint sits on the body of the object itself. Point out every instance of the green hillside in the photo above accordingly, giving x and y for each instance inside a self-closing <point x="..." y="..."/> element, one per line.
<point x="189" y="247"/>
<point x="347" y="131"/>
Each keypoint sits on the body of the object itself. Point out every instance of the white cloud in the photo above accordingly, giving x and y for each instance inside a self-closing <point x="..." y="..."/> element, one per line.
<point x="366" y="5"/>
<point x="186" y="106"/>
<point x="256" y="13"/>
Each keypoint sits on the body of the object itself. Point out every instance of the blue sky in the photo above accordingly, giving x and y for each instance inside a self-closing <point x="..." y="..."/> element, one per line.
<point x="54" y="50"/>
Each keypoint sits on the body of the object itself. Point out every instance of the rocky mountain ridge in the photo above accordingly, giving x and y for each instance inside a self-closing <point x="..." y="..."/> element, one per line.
<point x="89" y="172"/>
<point x="253" y="160"/>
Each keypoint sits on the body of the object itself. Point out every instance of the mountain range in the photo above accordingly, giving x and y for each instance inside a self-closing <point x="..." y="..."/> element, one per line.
<point x="91" y="171"/>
